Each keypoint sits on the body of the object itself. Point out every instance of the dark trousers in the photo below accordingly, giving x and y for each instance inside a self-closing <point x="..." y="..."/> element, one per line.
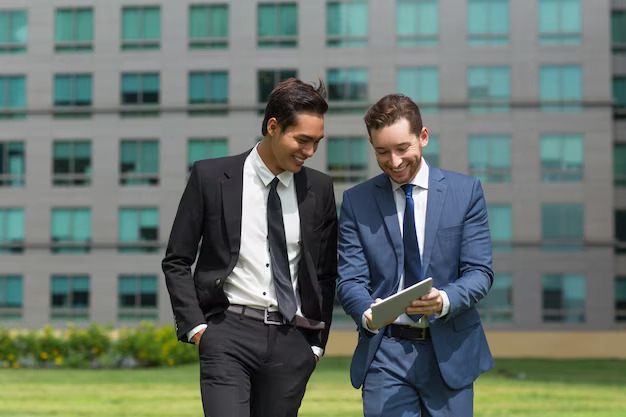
<point x="248" y="368"/>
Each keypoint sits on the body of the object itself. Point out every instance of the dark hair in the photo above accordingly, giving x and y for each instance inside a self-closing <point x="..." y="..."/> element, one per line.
<point x="291" y="97"/>
<point x="391" y="108"/>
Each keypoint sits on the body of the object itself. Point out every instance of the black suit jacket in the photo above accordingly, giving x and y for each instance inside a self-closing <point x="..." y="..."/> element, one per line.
<point x="210" y="209"/>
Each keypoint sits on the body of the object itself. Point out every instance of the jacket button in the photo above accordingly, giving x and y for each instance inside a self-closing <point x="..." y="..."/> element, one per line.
<point x="218" y="282"/>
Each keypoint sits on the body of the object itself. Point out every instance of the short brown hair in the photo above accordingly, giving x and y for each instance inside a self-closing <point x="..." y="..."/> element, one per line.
<point x="291" y="97"/>
<point x="391" y="108"/>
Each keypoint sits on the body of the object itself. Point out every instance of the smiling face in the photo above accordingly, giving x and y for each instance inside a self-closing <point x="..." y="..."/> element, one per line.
<point x="287" y="150"/>
<point x="398" y="150"/>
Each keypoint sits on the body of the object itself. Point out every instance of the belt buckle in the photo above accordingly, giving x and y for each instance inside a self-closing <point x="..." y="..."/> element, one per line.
<point x="422" y="337"/>
<point x="266" y="320"/>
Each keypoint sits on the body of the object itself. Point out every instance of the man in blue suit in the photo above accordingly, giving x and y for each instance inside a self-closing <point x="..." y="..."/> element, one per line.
<point x="414" y="221"/>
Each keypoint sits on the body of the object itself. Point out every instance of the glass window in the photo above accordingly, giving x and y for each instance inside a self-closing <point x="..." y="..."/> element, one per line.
<point x="619" y="164"/>
<point x="139" y="230"/>
<point x="69" y="297"/>
<point x="346" y="24"/>
<point x="12" y="96"/>
<point x="620" y="299"/>
<point x="268" y="79"/>
<point x="11" y="296"/>
<point x="208" y="26"/>
<point x="560" y="87"/>
<point x="73" y="30"/>
<point x="420" y="84"/>
<point x="208" y="93"/>
<point x="562" y="225"/>
<point x="500" y="226"/>
<point x="561" y="157"/>
<point x="141" y="28"/>
<point x="348" y="89"/>
<point x="11" y="230"/>
<point x="72" y="90"/>
<point x="417" y="22"/>
<point x="12" y="164"/>
<point x="140" y="89"/>
<point x="620" y="231"/>
<point x="431" y="151"/>
<point x="559" y="21"/>
<point x="199" y="149"/>
<point x="347" y="159"/>
<point x="278" y="25"/>
<point x="138" y="295"/>
<point x="497" y="306"/>
<point x="490" y="157"/>
<point x="71" y="162"/>
<point x="619" y="97"/>
<point x="13" y="31"/>
<point x="489" y="89"/>
<point x="488" y="22"/>
<point x="139" y="162"/>
<point x="618" y="30"/>
<point x="563" y="298"/>
<point x="71" y="230"/>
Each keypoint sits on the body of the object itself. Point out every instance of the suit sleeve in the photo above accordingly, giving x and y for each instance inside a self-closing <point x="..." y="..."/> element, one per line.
<point x="475" y="273"/>
<point x="180" y="255"/>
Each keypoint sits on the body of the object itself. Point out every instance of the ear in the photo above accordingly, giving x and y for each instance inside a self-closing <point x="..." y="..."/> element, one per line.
<point x="272" y="126"/>
<point x="424" y="137"/>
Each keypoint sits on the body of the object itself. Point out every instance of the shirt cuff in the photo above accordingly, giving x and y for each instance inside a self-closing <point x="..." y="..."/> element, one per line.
<point x="364" y="322"/>
<point x="446" y="304"/>
<point x="191" y="333"/>
<point x="317" y="351"/>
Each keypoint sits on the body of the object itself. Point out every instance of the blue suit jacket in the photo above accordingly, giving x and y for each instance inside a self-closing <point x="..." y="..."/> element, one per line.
<point x="456" y="254"/>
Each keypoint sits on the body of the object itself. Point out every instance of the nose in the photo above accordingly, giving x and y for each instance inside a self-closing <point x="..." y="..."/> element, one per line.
<point x="308" y="150"/>
<point x="395" y="160"/>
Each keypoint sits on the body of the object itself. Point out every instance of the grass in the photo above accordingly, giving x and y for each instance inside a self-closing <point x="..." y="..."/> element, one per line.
<point x="518" y="388"/>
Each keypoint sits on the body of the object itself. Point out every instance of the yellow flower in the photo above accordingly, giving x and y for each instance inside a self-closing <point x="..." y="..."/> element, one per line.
<point x="58" y="360"/>
<point x="16" y="365"/>
<point x="170" y="362"/>
<point x="43" y="355"/>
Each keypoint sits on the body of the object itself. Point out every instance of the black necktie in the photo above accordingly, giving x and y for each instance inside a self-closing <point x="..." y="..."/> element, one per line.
<point x="412" y="261"/>
<point x="278" y="254"/>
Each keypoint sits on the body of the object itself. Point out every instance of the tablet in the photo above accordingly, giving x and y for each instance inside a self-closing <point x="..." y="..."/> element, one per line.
<point x="393" y="306"/>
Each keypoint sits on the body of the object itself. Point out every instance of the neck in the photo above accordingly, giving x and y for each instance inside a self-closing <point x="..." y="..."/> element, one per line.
<point x="267" y="156"/>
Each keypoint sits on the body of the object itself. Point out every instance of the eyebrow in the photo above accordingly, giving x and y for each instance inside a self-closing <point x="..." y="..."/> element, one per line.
<point x="305" y="136"/>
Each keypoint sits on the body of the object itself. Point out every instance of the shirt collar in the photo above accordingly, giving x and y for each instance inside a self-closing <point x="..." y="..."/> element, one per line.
<point x="264" y="172"/>
<point x="420" y="179"/>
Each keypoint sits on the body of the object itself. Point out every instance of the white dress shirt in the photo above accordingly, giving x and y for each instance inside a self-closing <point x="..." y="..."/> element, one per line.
<point x="420" y="199"/>
<point x="250" y="283"/>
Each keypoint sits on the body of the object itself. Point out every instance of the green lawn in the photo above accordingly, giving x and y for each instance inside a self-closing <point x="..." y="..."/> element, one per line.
<point x="515" y="388"/>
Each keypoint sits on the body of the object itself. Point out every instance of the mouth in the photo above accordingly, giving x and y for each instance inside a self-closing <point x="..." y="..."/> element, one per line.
<point x="299" y="160"/>
<point x="399" y="169"/>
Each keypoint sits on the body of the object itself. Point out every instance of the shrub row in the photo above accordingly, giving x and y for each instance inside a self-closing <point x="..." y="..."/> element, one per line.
<point x="94" y="347"/>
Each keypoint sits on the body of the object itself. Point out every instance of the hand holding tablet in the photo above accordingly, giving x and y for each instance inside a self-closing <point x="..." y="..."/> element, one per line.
<point x="395" y="305"/>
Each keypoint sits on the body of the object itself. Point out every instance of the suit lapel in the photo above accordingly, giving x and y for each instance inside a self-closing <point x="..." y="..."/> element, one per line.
<point x="232" y="195"/>
<point x="383" y="195"/>
<point x="306" y="204"/>
<point x="436" y="197"/>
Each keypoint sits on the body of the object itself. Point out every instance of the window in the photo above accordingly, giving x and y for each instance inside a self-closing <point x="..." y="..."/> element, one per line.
<point x="620" y="299"/>
<point x="13" y="31"/>
<point x="561" y="157"/>
<point x="417" y="22"/>
<point x="563" y="298"/>
<point x="431" y="151"/>
<point x="490" y="157"/>
<point x="11" y="294"/>
<point x="208" y="93"/>
<point x="420" y="84"/>
<point x="72" y="91"/>
<point x="73" y="30"/>
<point x="488" y="22"/>
<point x="348" y="89"/>
<point x="208" y="26"/>
<point x="559" y="21"/>
<point x="619" y="97"/>
<point x="620" y="231"/>
<point x="560" y="87"/>
<point x="141" y="28"/>
<point x="618" y="30"/>
<point x="278" y="25"/>
<point x="70" y="297"/>
<point x="12" y="164"/>
<point x="619" y="164"/>
<point x="71" y="162"/>
<point x="11" y="230"/>
<point x="140" y="89"/>
<point x="497" y="306"/>
<point x="139" y="162"/>
<point x="71" y="230"/>
<point x="500" y="226"/>
<point x="12" y="96"/>
<point x="268" y="79"/>
<point x="199" y="149"/>
<point x="489" y="89"/>
<point x="346" y="24"/>
<point x="562" y="225"/>
<point x="138" y="297"/>
<point x="347" y="159"/>
<point x="139" y="230"/>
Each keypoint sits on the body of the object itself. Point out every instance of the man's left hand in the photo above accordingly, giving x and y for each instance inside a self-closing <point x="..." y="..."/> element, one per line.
<point x="431" y="303"/>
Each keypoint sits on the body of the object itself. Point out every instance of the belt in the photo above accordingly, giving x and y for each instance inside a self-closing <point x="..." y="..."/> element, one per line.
<point x="408" y="332"/>
<point x="275" y="318"/>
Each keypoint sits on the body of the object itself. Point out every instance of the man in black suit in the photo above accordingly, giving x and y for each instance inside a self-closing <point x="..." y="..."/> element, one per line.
<point x="259" y="303"/>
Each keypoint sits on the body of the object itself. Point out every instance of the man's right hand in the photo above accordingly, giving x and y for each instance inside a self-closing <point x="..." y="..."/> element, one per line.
<point x="368" y="317"/>
<point x="196" y="338"/>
